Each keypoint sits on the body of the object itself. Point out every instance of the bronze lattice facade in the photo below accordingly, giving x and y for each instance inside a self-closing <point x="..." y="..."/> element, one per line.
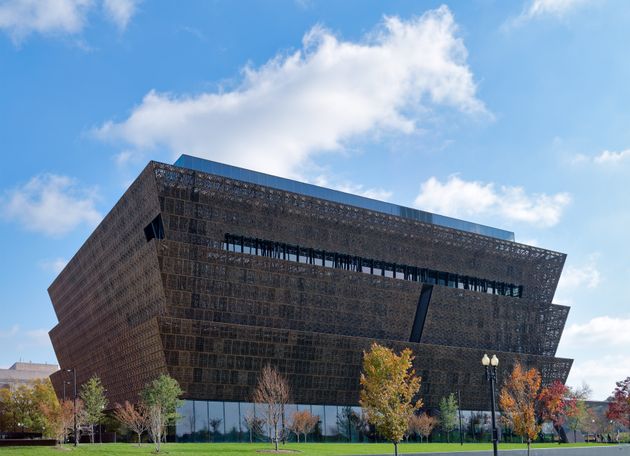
<point x="209" y="277"/>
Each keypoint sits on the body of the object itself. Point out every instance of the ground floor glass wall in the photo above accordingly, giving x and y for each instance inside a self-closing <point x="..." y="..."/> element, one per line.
<point x="212" y="421"/>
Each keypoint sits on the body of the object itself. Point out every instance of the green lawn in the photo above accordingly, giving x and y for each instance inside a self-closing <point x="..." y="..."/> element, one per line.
<point x="245" y="449"/>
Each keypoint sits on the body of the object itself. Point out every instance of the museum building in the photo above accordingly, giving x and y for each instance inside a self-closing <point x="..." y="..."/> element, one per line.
<point x="208" y="272"/>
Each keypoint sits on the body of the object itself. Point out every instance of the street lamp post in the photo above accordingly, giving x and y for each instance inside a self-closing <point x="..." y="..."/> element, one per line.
<point x="491" y="376"/>
<point x="74" y="402"/>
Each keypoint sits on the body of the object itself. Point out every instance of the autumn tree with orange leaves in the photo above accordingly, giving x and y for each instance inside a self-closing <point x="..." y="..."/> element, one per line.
<point x="388" y="388"/>
<point x="518" y="402"/>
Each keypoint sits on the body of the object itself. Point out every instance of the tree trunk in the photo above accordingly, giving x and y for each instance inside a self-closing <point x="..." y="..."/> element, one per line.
<point x="139" y="438"/>
<point x="275" y="436"/>
<point x="574" y="436"/>
<point x="395" y="448"/>
<point x="528" y="443"/>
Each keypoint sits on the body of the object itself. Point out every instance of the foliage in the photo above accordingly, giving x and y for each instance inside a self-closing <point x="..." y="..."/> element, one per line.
<point x="448" y="414"/>
<point x="21" y="408"/>
<point x="422" y="425"/>
<point x="273" y="392"/>
<point x="93" y="396"/>
<point x="135" y="417"/>
<point x="303" y="422"/>
<point x="576" y="411"/>
<point x="253" y="424"/>
<point x="619" y="407"/>
<point x="161" y="399"/>
<point x="552" y="403"/>
<point x="389" y="385"/>
<point x="518" y="402"/>
<point x="59" y="418"/>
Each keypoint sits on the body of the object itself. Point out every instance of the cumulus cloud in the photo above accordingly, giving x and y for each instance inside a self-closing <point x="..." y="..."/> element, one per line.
<point x="51" y="204"/>
<point x="20" y="18"/>
<point x="603" y="331"/>
<point x="55" y="265"/>
<point x="600" y="373"/>
<point x="313" y="100"/>
<point x="459" y="198"/>
<point x="120" y="11"/>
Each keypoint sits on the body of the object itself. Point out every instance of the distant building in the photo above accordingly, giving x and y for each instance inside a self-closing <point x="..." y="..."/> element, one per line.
<point x="22" y="373"/>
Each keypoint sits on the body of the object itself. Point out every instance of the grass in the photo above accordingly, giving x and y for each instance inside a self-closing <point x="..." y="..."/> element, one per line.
<point x="246" y="449"/>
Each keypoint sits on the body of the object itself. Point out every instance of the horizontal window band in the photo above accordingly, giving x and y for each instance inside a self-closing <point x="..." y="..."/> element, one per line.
<point x="336" y="260"/>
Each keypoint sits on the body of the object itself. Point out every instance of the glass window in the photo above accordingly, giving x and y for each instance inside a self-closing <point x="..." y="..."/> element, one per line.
<point x="330" y="414"/>
<point x="185" y="426"/>
<point x="216" y="421"/>
<point x="201" y="421"/>
<point x="318" y="410"/>
<point x="232" y="422"/>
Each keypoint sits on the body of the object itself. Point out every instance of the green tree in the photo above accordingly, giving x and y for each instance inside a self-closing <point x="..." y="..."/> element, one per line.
<point x="576" y="411"/>
<point x="161" y="398"/>
<point x="388" y="388"/>
<point x="448" y="414"/>
<point x="94" y="402"/>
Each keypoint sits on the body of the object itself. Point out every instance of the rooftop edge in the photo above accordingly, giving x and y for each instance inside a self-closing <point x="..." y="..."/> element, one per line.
<point x="282" y="183"/>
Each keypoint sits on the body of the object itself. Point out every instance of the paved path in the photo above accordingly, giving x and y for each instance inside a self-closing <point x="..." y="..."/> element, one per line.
<point x="613" y="450"/>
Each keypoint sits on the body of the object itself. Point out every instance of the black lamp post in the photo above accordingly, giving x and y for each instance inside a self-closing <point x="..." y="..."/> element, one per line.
<point x="491" y="376"/>
<point x="74" y="402"/>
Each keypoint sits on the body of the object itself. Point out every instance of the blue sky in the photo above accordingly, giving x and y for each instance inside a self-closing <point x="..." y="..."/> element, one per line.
<point x="512" y="114"/>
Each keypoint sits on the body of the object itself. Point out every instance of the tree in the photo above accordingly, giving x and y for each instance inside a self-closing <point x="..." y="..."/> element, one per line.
<point x="575" y="410"/>
<point x="448" y="414"/>
<point x="518" y="402"/>
<point x="303" y="422"/>
<point x="388" y="387"/>
<point x="161" y="399"/>
<point x="94" y="402"/>
<point x="619" y="407"/>
<point x="253" y="424"/>
<point x="422" y="425"/>
<point x="135" y="417"/>
<point x="552" y="404"/>
<point x="59" y="418"/>
<point x="273" y="393"/>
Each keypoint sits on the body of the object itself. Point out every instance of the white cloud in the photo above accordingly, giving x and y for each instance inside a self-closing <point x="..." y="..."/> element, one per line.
<point x="611" y="158"/>
<point x="535" y="9"/>
<point x="51" y="204"/>
<point x="599" y="373"/>
<point x="313" y="100"/>
<point x="603" y="331"/>
<point x="120" y="11"/>
<point x="55" y="265"/>
<point x="459" y="198"/>
<point x="575" y="279"/>
<point x="20" y="18"/>
<point x="604" y="158"/>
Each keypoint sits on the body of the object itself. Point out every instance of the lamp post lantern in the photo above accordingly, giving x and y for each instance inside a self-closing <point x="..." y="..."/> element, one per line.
<point x="74" y="402"/>
<point x="490" y="365"/>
